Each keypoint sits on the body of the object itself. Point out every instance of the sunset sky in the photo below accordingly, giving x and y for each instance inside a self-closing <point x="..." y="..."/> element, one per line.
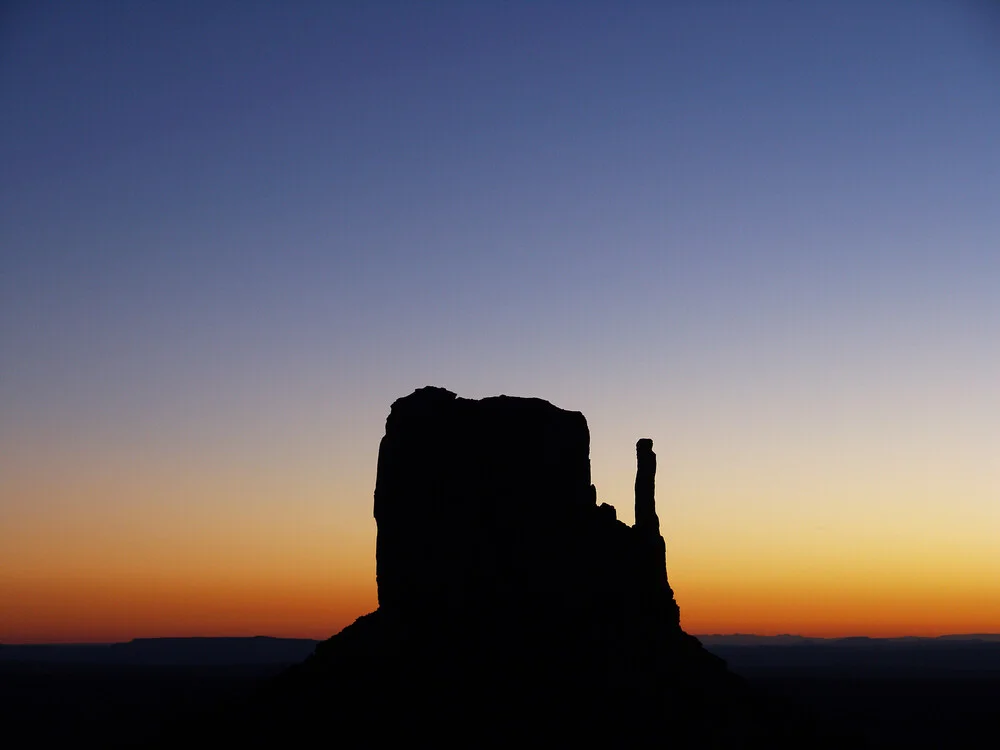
<point x="764" y="234"/>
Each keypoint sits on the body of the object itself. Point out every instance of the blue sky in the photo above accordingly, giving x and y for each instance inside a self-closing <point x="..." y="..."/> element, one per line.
<point x="232" y="235"/>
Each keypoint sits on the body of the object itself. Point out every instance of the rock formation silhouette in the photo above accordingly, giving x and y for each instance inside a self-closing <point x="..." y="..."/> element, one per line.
<point x="512" y="606"/>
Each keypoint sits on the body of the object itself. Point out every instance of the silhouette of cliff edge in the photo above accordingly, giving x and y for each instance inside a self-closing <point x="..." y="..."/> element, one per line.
<point x="512" y="605"/>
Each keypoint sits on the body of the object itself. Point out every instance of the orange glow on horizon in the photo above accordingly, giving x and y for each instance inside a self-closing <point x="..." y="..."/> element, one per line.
<point x="75" y="570"/>
<point x="104" y="612"/>
<point x="107" y="610"/>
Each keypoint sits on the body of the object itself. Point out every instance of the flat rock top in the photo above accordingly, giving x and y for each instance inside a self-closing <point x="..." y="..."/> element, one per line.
<point x="431" y="400"/>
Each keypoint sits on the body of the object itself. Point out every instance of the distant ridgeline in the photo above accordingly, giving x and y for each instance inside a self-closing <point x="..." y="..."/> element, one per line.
<point x="511" y="604"/>
<point x="167" y="651"/>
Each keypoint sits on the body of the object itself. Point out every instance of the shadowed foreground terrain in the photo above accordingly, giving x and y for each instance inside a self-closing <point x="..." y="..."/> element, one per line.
<point x="911" y="693"/>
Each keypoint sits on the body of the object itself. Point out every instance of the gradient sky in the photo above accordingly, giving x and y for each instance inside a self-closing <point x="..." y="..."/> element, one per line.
<point x="765" y="234"/>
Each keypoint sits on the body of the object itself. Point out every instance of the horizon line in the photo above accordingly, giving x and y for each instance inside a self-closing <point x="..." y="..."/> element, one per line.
<point x="970" y="636"/>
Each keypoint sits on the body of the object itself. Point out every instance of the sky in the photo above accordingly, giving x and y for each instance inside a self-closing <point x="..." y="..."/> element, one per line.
<point x="764" y="234"/>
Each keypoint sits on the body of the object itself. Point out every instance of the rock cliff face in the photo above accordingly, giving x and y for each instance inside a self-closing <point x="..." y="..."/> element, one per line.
<point x="512" y="606"/>
<point x="472" y="499"/>
<point x="485" y="509"/>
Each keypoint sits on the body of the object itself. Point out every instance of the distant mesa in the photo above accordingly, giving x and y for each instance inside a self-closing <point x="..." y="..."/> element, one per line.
<point x="512" y="605"/>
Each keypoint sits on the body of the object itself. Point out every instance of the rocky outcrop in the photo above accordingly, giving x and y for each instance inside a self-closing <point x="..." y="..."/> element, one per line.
<point x="486" y="512"/>
<point x="512" y="606"/>
<point x="474" y="499"/>
<point x="646" y="521"/>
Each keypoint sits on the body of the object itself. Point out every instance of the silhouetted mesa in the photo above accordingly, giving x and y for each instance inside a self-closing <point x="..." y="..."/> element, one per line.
<point x="477" y="502"/>
<point x="486" y="512"/>
<point x="510" y="602"/>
